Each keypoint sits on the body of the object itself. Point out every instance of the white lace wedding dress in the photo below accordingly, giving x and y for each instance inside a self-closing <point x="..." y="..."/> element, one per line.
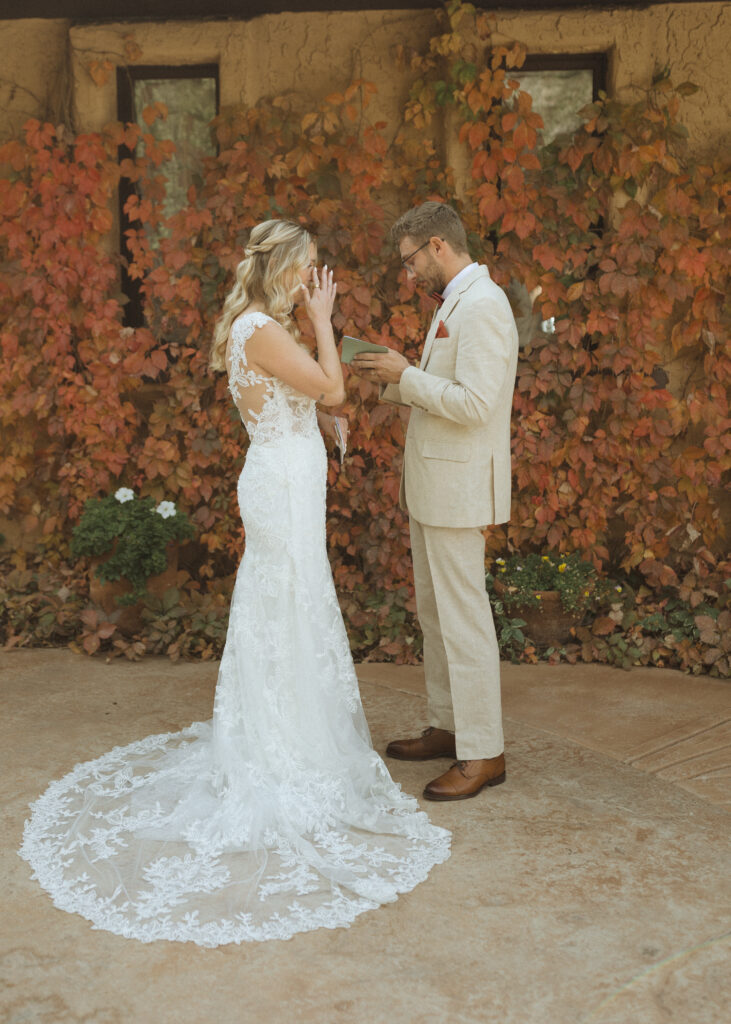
<point x="277" y="816"/>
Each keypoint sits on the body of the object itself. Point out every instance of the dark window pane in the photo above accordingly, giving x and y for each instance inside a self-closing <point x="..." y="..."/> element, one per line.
<point x="558" y="95"/>
<point x="191" y="106"/>
<point x="190" y="95"/>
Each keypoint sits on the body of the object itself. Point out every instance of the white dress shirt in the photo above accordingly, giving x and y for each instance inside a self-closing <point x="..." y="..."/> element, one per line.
<point x="457" y="278"/>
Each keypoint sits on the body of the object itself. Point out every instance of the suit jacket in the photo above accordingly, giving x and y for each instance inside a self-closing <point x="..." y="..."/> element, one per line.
<point x="457" y="457"/>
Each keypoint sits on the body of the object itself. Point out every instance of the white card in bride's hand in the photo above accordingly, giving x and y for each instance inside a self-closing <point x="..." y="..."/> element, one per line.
<point x="340" y="440"/>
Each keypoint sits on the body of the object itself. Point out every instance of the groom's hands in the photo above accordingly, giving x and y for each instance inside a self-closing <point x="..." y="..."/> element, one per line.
<point x="380" y="367"/>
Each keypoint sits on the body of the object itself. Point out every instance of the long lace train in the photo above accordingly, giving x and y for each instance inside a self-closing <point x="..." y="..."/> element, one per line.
<point x="277" y="816"/>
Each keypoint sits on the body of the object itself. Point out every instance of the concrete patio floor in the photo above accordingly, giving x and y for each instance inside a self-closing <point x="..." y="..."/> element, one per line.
<point x="592" y="888"/>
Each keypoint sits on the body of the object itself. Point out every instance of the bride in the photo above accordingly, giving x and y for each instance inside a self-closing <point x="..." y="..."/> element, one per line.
<point x="277" y="816"/>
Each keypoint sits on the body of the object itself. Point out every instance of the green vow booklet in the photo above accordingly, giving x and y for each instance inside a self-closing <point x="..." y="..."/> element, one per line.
<point x="353" y="346"/>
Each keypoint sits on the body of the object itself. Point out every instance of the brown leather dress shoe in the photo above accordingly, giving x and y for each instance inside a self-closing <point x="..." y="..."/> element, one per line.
<point x="432" y="743"/>
<point x="466" y="778"/>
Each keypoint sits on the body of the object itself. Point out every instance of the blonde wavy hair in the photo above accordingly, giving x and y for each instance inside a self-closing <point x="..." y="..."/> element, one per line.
<point x="276" y="250"/>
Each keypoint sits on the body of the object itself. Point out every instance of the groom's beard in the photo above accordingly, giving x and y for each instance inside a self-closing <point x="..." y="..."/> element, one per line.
<point x="432" y="278"/>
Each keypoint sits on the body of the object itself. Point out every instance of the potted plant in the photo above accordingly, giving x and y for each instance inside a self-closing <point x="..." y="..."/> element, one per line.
<point x="550" y="592"/>
<point x="132" y="543"/>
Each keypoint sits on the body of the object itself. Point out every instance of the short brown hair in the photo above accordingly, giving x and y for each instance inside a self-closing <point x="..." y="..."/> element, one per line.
<point x="423" y="222"/>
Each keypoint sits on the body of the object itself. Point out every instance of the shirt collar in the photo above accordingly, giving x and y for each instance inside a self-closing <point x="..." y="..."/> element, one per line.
<point x="457" y="278"/>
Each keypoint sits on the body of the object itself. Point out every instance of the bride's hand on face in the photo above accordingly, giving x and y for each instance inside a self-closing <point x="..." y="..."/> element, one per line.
<point x="319" y="301"/>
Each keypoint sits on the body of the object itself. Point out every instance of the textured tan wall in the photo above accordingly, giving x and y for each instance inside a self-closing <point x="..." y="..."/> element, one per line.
<point x="319" y="52"/>
<point x="33" y="53"/>
<point x="300" y="54"/>
<point x="694" y="40"/>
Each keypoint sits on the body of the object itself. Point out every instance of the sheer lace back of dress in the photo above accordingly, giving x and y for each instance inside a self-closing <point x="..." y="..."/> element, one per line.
<point x="268" y="407"/>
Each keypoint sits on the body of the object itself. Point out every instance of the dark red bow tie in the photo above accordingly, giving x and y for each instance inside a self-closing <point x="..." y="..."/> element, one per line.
<point x="438" y="297"/>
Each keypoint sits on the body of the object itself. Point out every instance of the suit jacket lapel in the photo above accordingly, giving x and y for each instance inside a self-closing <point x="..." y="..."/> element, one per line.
<point x="446" y="309"/>
<point x="429" y="338"/>
<point x="442" y="312"/>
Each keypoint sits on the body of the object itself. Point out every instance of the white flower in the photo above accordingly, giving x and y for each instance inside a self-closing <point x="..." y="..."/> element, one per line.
<point x="166" y="509"/>
<point x="124" y="494"/>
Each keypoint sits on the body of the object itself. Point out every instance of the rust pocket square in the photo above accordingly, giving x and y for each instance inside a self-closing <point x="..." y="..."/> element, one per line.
<point x="442" y="331"/>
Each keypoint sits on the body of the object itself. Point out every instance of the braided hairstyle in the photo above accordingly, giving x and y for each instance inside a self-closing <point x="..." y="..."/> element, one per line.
<point x="268" y="273"/>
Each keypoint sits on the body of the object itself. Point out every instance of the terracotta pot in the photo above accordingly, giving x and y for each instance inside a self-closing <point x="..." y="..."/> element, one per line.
<point x="128" y="617"/>
<point x="548" y="625"/>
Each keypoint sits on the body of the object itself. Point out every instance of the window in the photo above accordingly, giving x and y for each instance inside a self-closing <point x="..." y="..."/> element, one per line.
<point x="560" y="85"/>
<point x="190" y="94"/>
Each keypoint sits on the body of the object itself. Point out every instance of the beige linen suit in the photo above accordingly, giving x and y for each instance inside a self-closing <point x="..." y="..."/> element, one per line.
<point x="456" y="481"/>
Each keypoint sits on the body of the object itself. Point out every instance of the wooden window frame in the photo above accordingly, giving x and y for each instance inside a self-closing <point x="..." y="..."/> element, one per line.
<point x="126" y="77"/>
<point x="596" y="62"/>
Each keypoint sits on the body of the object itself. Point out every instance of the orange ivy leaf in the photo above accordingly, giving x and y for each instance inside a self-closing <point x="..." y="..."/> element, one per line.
<point x="100" y="71"/>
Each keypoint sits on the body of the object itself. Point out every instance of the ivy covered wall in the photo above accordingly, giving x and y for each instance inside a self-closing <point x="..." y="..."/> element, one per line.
<point x="620" y="231"/>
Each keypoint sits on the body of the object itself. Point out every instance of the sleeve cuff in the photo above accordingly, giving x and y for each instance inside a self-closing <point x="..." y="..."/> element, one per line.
<point x="406" y="383"/>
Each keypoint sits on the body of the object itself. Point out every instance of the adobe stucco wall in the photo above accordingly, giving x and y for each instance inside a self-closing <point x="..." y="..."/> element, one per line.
<point x="33" y="55"/>
<point x="693" y="40"/>
<point x="315" y="53"/>
<point x="299" y="54"/>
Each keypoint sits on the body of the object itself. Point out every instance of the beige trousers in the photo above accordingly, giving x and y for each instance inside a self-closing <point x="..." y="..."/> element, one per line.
<point x="461" y="657"/>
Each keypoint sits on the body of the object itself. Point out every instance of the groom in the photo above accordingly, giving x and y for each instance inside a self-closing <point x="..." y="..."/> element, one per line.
<point x="455" y="481"/>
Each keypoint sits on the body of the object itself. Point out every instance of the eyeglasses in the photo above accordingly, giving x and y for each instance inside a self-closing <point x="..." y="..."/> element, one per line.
<point x="405" y="260"/>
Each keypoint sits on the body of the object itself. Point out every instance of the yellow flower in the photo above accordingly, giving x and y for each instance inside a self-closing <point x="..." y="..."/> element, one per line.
<point x="562" y="567"/>
<point x="538" y="597"/>
<point x="545" y="558"/>
<point x="500" y="561"/>
<point x="618" y="589"/>
<point x="586" y="593"/>
<point x="501" y="569"/>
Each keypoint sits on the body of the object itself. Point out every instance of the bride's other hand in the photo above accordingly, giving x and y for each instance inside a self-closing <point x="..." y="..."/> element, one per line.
<point x="319" y="302"/>
<point x="327" y="425"/>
